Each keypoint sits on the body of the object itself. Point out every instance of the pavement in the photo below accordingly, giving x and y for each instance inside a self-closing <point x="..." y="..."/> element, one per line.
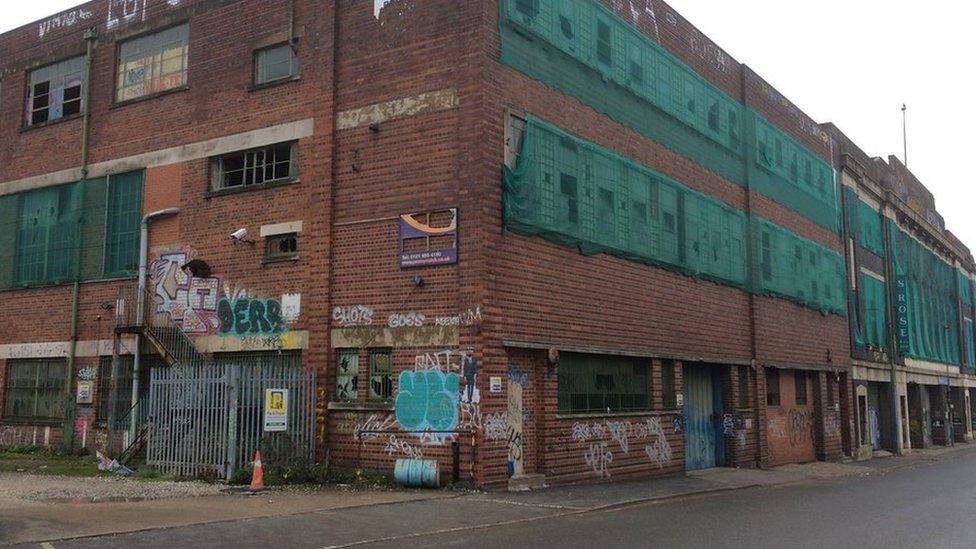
<point x="341" y="518"/>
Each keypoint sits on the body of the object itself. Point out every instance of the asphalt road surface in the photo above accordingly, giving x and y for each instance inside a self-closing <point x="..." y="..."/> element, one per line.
<point x="931" y="504"/>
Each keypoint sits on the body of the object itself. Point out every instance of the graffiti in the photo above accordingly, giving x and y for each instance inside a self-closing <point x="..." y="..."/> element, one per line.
<point x="321" y="412"/>
<point x="358" y="315"/>
<point x="443" y="361"/>
<point x="709" y="52"/>
<point x="514" y="444"/>
<point x="395" y="445"/>
<point x="599" y="458"/>
<point x="291" y="307"/>
<point x="799" y="424"/>
<point x="727" y="424"/>
<point x="659" y="449"/>
<point x="62" y="21"/>
<point x="740" y="439"/>
<point x="514" y="421"/>
<point x="831" y="425"/>
<point x="189" y="301"/>
<point x="427" y="401"/>
<point x="408" y="320"/>
<point x="247" y="316"/>
<point x="678" y="424"/>
<point x="496" y="425"/>
<point x="128" y="11"/>
<point x="469" y="414"/>
<point x="16" y="436"/>
<point x="467" y="318"/>
<point x="378" y="6"/>
<point x="517" y="376"/>
<point x="87" y="373"/>
<point x="373" y="427"/>
<point x="776" y="427"/>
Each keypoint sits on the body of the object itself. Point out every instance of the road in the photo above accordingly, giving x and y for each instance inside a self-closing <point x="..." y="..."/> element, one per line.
<point x="929" y="504"/>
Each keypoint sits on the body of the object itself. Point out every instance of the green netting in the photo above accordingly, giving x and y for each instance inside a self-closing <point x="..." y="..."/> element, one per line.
<point x="864" y="223"/>
<point x="588" y="52"/>
<point x="793" y="176"/>
<point x="872" y="301"/>
<point x="932" y="300"/>
<point x="65" y="233"/>
<point x="797" y="269"/>
<point x="968" y="346"/>
<point x="965" y="290"/>
<point x="578" y="194"/>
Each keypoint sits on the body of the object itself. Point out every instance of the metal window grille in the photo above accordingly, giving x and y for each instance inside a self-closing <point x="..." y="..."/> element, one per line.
<point x="602" y="384"/>
<point x="380" y="374"/>
<point x="772" y="387"/>
<point x="35" y="389"/>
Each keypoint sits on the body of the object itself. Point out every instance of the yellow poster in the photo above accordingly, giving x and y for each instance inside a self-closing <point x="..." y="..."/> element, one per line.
<point x="275" y="410"/>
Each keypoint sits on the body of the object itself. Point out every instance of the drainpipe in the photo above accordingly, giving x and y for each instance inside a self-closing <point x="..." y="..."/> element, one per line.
<point x="90" y="36"/>
<point x="892" y="323"/>
<point x="141" y="311"/>
<point x="68" y="427"/>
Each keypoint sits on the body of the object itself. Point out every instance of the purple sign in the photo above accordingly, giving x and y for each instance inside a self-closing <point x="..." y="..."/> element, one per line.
<point x="429" y="239"/>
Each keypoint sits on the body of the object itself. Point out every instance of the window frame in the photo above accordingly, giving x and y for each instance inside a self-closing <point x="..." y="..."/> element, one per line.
<point x="388" y="383"/>
<point x="273" y="256"/>
<point x="349" y="353"/>
<point x="28" y="112"/>
<point x="217" y="171"/>
<point x="118" y="73"/>
<point x="57" y="393"/>
<point x="773" y="398"/>
<point x="608" y="370"/>
<point x="797" y="376"/>
<point x="294" y="72"/>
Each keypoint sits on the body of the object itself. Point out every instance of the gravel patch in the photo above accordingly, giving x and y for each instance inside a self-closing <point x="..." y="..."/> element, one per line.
<point x="27" y="489"/>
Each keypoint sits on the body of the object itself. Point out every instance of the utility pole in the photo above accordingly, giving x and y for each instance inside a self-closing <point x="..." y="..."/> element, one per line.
<point x="904" y="131"/>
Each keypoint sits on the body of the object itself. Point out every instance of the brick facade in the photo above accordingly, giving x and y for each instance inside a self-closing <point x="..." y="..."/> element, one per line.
<point x="405" y="112"/>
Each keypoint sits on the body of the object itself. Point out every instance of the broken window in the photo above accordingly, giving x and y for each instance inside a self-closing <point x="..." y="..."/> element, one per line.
<point x="55" y="91"/>
<point x="274" y="64"/>
<point x="255" y="167"/>
<point x="281" y="247"/>
<point x="153" y="63"/>
<point x="380" y="374"/>
<point x="347" y="375"/>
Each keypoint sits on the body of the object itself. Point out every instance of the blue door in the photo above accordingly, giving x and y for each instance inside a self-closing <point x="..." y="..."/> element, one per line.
<point x="704" y="445"/>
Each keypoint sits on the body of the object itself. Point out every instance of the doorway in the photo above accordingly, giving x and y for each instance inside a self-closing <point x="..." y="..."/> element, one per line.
<point x="704" y="387"/>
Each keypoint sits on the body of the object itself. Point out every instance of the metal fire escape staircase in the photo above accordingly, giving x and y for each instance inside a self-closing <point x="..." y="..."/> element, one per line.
<point x="136" y="313"/>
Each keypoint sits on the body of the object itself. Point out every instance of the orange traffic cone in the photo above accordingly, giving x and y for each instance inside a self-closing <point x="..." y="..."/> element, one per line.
<point x="257" y="474"/>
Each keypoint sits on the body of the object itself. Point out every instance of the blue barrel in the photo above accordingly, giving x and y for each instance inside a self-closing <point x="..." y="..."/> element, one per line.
<point x="417" y="473"/>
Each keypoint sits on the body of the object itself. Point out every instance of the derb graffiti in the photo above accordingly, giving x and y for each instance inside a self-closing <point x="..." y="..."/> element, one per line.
<point x="247" y="316"/>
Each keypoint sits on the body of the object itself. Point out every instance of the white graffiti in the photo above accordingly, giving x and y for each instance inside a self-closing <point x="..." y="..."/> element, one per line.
<point x="467" y="318"/>
<point x="62" y="21"/>
<point x="357" y="315"/>
<point x="408" y="320"/>
<point x="128" y="11"/>
<point x="444" y="361"/>
<point x="659" y="449"/>
<point x="87" y="373"/>
<point x="496" y="426"/>
<point x="378" y="6"/>
<point x="395" y="445"/>
<point x="373" y="427"/>
<point x="740" y="438"/>
<point x="599" y="458"/>
<point x="776" y="427"/>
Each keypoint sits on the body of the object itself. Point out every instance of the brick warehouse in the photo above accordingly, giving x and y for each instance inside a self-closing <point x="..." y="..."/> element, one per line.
<point x="676" y="301"/>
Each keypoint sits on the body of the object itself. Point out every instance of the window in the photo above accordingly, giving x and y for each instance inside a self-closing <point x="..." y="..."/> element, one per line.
<point x="281" y="247"/>
<point x="772" y="387"/>
<point x="743" y="387"/>
<point x="514" y="134"/>
<point x="767" y="256"/>
<point x="274" y="64"/>
<point x="35" y="389"/>
<point x="668" y="400"/>
<point x="528" y="8"/>
<point x="800" y="384"/>
<point x="347" y="375"/>
<point x="255" y="167"/>
<point x="602" y="384"/>
<point x="47" y="235"/>
<point x="55" y="91"/>
<point x="603" y="44"/>
<point x="831" y="383"/>
<point x="152" y="64"/>
<point x="380" y="374"/>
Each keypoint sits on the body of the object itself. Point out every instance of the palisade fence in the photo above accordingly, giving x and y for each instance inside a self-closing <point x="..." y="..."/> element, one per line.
<point x="208" y="420"/>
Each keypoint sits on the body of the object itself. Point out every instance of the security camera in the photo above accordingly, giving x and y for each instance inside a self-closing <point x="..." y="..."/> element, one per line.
<point x="240" y="235"/>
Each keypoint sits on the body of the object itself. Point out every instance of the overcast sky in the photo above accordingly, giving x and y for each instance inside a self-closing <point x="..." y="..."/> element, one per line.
<point x="850" y="62"/>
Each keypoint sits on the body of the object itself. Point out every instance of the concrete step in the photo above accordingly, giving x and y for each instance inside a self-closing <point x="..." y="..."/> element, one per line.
<point x="526" y="483"/>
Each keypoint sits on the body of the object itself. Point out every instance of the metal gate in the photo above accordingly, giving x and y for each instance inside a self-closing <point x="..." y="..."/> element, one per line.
<point x="207" y="420"/>
<point x="703" y="403"/>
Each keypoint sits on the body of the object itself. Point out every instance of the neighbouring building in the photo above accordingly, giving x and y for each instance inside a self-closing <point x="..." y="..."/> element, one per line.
<point x="532" y="241"/>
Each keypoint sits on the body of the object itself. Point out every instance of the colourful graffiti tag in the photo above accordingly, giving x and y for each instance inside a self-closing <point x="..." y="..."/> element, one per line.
<point x="247" y="316"/>
<point x="427" y="401"/>
<point x="189" y="301"/>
